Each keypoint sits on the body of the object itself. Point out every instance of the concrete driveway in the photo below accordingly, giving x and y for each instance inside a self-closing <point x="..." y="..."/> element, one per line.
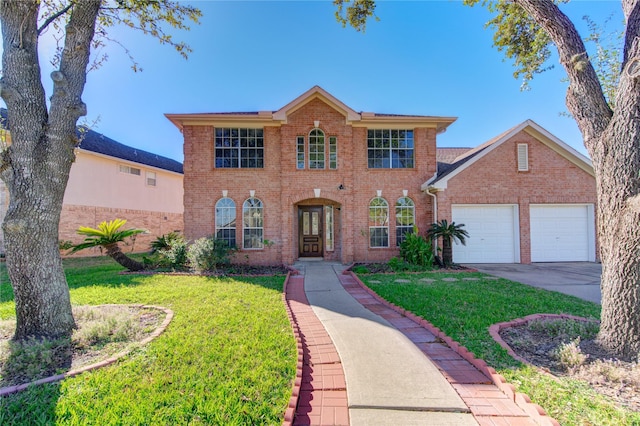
<point x="580" y="279"/>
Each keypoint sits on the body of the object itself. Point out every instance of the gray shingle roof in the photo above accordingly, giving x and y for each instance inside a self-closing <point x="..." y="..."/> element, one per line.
<point x="101" y="144"/>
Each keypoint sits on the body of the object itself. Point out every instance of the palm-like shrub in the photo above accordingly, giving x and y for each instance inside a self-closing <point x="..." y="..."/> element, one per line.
<point x="448" y="232"/>
<point x="108" y="235"/>
<point x="168" y="251"/>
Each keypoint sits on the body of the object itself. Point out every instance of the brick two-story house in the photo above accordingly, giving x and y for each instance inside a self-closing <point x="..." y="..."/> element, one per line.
<point x="318" y="179"/>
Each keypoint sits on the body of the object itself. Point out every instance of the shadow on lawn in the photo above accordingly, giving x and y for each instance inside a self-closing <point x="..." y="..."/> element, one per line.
<point x="27" y="362"/>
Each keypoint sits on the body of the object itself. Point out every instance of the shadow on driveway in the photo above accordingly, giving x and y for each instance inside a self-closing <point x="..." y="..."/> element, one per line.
<point x="580" y="279"/>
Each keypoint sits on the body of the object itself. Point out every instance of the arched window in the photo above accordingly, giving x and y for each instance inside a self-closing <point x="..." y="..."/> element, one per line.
<point x="405" y="218"/>
<point x="378" y="223"/>
<point x="253" y="224"/>
<point x="316" y="149"/>
<point x="226" y="221"/>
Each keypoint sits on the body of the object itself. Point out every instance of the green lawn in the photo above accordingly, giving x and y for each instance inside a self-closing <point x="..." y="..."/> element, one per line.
<point x="228" y="357"/>
<point x="464" y="310"/>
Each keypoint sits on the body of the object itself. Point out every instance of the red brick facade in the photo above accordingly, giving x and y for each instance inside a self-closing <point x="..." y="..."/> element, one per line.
<point x="494" y="178"/>
<point x="349" y="189"/>
<point x="283" y="188"/>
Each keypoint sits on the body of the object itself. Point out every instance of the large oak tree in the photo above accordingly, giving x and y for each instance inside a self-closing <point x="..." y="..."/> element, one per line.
<point x="35" y="167"/>
<point x="525" y="30"/>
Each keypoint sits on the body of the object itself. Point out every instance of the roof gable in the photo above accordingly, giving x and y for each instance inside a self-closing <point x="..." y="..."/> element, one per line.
<point x="468" y="158"/>
<point x="316" y="92"/>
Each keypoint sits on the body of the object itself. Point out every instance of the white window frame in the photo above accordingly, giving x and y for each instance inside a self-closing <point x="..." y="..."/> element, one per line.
<point x="404" y="204"/>
<point x="251" y="222"/>
<point x="136" y="171"/>
<point x="151" y="181"/>
<point x="379" y="219"/>
<point x="225" y="219"/>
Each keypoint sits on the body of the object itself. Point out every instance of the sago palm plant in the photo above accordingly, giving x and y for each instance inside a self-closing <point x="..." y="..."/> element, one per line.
<point x="108" y="235"/>
<point x="448" y="232"/>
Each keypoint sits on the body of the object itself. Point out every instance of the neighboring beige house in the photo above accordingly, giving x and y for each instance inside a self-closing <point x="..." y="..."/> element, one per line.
<point x="110" y="180"/>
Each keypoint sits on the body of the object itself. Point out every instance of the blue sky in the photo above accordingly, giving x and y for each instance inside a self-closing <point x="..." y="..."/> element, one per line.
<point x="422" y="57"/>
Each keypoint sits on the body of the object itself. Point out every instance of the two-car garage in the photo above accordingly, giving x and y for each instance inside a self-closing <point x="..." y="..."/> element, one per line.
<point x="557" y="233"/>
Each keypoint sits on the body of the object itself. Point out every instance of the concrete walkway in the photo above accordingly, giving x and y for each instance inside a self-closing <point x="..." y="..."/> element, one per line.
<point x="580" y="279"/>
<point x="389" y="378"/>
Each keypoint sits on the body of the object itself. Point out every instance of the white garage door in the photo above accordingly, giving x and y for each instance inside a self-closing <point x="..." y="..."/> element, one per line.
<point x="493" y="233"/>
<point x="562" y="233"/>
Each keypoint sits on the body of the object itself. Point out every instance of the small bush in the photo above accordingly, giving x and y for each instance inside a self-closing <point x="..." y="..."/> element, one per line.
<point x="570" y="356"/>
<point x="360" y="269"/>
<point x="415" y="250"/>
<point x="566" y="329"/>
<point x="169" y="251"/>
<point x="206" y="254"/>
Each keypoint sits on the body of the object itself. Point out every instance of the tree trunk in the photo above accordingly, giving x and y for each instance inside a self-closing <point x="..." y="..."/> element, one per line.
<point x="447" y="251"/>
<point x="114" y="251"/>
<point x="36" y="166"/>
<point x="617" y="162"/>
<point x="613" y="141"/>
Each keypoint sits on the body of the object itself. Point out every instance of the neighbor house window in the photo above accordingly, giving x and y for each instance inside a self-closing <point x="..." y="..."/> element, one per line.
<point x="253" y="224"/>
<point x="226" y="221"/>
<point x="239" y="148"/>
<point x="390" y="149"/>
<point x="523" y="157"/>
<point x="405" y="218"/>
<point x="300" y="151"/>
<point x="328" y="218"/>
<point x="151" y="178"/>
<point x="333" y="152"/>
<point x="316" y="149"/>
<point x="379" y="223"/>
<point x="130" y="170"/>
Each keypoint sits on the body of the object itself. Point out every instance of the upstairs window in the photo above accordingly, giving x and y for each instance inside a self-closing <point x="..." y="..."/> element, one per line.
<point x="130" y="170"/>
<point x="405" y="218"/>
<point x="300" y="152"/>
<point x="378" y="223"/>
<point x="239" y="148"/>
<point x="390" y="149"/>
<point x="316" y="149"/>
<point x="151" y="179"/>
<point x="333" y="152"/>
<point x="253" y="224"/>
<point x="226" y="221"/>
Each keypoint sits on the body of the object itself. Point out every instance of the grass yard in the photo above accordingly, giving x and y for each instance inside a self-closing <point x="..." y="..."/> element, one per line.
<point x="465" y="309"/>
<point x="227" y="358"/>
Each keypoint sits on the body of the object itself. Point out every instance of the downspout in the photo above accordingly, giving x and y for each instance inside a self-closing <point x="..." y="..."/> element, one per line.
<point x="435" y="218"/>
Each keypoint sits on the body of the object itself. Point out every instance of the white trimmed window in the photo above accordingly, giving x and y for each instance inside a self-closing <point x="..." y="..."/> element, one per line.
<point x="405" y="218"/>
<point x="316" y="149"/>
<point x="378" y="223"/>
<point x="300" y="152"/>
<point x="226" y="221"/>
<point x="523" y="157"/>
<point x="239" y="148"/>
<point x="253" y="224"/>
<point x="151" y="179"/>
<point x="390" y="149"/>
<point x="130" y="170"/>
<point x="329" y="237"/>
<point x="333" y="152"/>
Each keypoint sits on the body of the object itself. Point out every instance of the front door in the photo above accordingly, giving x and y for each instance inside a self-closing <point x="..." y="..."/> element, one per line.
<point x="310" y="231"/>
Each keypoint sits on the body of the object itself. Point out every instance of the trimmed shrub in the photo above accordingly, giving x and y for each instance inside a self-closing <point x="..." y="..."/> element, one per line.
<point x="207" y="254"/>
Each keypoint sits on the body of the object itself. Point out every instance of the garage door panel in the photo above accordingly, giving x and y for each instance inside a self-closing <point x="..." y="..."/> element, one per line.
<point x="492" y="238"/>
<point x="560" y="233"/>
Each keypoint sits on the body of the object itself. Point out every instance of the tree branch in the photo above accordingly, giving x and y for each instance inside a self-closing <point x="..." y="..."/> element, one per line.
<point x="585" y="98"/>
<point x="53" y="17"/>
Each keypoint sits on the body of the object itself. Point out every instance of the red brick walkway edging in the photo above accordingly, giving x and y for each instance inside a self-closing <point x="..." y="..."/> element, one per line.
<point x="495" y="329"/>
<point x="51" y="379"/>
<point x="319" y="395"/>
<point x="534" y="411"/>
